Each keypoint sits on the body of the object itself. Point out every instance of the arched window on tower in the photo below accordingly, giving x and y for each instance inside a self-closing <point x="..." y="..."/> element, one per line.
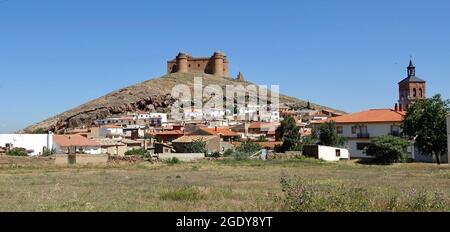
<point x="414" y="92"/>
<point x="420" y="93"/>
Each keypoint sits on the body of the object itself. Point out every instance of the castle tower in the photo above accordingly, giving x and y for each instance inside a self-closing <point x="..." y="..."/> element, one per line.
<point x="240" y="77"/>
<point x="226" y="71"/>
<point x="218" y="67"/>
<point x="182" y="63"/>
<point x="411" y="89"/>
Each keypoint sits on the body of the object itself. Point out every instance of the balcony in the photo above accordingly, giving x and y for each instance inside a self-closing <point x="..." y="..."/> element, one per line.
<point x="363" y="135"/>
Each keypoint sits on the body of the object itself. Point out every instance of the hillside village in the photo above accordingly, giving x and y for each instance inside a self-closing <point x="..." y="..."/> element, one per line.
<point x="165" y="138"/>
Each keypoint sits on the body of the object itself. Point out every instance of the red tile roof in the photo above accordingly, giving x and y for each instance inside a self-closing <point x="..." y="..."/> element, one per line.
<point x="171" y="132"/>
<point x="227" y="132"/>
<point x="371" y="116"/>
<point x="74" y="140"/>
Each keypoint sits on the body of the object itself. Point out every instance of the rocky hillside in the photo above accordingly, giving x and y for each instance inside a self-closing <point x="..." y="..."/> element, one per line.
<point x="152" y="95"/>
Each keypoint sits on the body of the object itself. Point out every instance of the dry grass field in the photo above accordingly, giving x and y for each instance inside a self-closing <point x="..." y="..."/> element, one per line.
<point x="218" y="186"/>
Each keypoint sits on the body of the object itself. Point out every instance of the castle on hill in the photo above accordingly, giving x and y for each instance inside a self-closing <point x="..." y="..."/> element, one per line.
<point x="216" y="65"/>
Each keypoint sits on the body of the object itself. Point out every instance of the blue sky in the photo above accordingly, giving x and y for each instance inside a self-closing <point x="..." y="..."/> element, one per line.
<point x="55" y="55"/>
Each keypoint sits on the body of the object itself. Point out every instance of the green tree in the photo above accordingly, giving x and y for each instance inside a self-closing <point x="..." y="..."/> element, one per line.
<point x="388" y="149"/>
<point x="327" y="135"/>
<point x="249" y="147"/>
<point x="138" y="152"/>
<point x="289" y="134"/>
<point x="426" y="122"/>
<point x="197" y="146"/>
<point x="308" y="105"/>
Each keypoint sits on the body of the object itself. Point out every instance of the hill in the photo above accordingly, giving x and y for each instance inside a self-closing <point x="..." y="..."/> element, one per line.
<point x="152" y="95"/>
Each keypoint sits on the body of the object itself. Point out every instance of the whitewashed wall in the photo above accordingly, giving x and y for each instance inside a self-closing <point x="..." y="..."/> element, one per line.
<point x="33" y="142"/>
<point x="374" y="129"/>
<point x="329" y="153"/>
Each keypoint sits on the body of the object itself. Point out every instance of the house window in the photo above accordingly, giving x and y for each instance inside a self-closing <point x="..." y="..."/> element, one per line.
<point x="414" y="92"/>
<point x="338" y="153"/>
<point x="354" y="129"/>
<point x="420" y="92"/>
<point x="339" y="129"/>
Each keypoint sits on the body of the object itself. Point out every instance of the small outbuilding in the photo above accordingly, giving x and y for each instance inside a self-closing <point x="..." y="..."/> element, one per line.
<point x="326" y="153"/>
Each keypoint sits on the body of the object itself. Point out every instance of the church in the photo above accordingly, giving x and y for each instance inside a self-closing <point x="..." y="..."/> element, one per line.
<point x="411" y="89"/>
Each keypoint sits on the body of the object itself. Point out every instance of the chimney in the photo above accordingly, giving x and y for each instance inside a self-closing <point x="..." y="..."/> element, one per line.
<point x="396" y="107"/>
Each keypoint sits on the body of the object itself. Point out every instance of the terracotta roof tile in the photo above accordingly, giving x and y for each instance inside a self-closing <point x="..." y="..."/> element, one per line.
<point x="74" y="140"/>
<point x="220" y="131"/>
<point x="371" y="116"/>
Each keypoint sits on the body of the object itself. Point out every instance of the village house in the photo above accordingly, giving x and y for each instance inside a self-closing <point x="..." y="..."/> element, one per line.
<point x="360" y="128"/>
<point x="167" y="136"/>
<point x="111" y="147"/>
<point x="112" y="131"/>
<point x="69" y="144"/>
<point x="163" y="148"/>
<point x="212" y="142"/>
<point x="225" y="134"/>
<point x="259" y="129"/>
<point x="132" y="144"/>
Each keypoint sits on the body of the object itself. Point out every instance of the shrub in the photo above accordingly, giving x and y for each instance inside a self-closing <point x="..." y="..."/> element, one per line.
<point x="17" y="152"/>
<point x="173" y="160"/>
<point x="388" y="149"/>
<point x="138" y="152"/>
<point x="228" y="152"/>
<point x="213" y="155"/>
<point x="241" y="155"/>
<point x="197" y="146"/>
<point x="49" y="152"/>
<point x="183" y="194"/>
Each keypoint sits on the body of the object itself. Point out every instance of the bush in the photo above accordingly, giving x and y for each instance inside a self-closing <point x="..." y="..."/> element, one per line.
<point x="138" y="152"/>
<point x="388" y="149"/>
<point x="228" y="152"/>
<point x="183" y="194"/>
<point x="49" y="152"/>
<point x="197" y="146"/>
<point x="213" y="155"/>
<point x="173" y="160"/>
<point x="239" y="156"/>
<point x="17" y="152"/>
<point x="249" y="147"/>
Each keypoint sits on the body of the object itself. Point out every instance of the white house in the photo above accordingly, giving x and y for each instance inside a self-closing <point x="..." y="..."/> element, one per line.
<point x="35" y="144"/>
<point x="76" y="143"/>
<point x="326" y="153"/>
<point x="111" y="131"/>
<point x="360" y="128"/>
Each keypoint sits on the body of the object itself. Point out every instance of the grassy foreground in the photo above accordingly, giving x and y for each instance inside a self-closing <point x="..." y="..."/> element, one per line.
<point x="308" y="185"/>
